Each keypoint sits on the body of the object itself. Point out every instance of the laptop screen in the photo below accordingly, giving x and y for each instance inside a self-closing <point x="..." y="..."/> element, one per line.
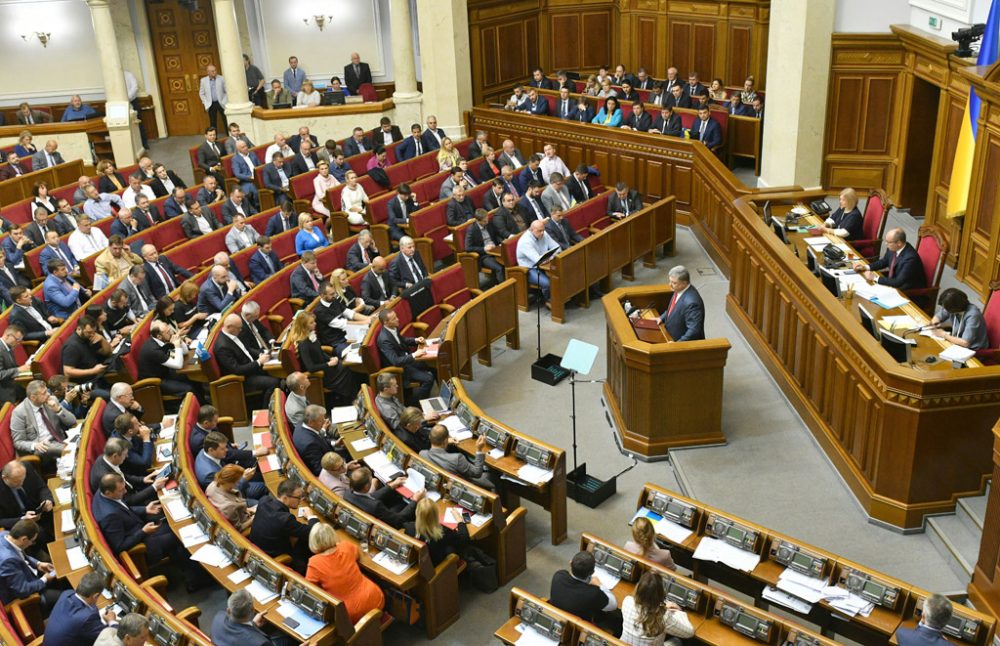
<point x="446" y="393"/>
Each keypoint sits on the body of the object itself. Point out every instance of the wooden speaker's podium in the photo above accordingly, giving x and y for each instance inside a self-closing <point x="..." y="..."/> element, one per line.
<point x="662" y="394"/>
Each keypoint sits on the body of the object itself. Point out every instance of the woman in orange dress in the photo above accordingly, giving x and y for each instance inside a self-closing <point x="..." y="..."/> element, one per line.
<point x="334" y="567"/>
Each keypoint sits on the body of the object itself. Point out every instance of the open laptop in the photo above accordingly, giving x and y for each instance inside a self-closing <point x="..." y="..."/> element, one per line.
<point x="281" y="106"/>
<point x="438" y="404"/>
<point x="332" y="98"/>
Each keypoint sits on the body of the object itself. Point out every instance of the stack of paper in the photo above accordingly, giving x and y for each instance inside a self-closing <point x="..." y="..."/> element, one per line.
<point x="784" y="599"/>
<point x="364" y="444"/>
<point x="455" y="428"/>
<point x="269" y="463"/>
<point x="847" y="602"/>
<point x="817" y="241"/>
<point x="177" y="510"/>
<point x="239" y="575"/>
<point x="63" y="495"/>
<point x="391" y="564"/>
<point x="902" y="323"/>
<point x="957" y="353"/>
<point x="711" y="549"/>
<point x="210" y="555"/>
<point x="192" y="535"/>
<point x="534" y="475"/>
<point x="804" y="587"/>
<point x="77" y="559"/>
<point x="66" y="521"/>
<point x="343" y="414"/>
<point x="478" y="520"/>
<point x="262" y="439"/>
<point x="672" y="531"/>
<point x="382" y="466"/>
<point x="415" y="481"/>
<point x="258" y="591"/>
<point x="531" y="637"/>
<point x="607" y="579"/>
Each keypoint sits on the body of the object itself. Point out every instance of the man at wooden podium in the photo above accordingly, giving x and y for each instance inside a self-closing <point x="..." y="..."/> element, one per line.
<point x="685" y="315"/>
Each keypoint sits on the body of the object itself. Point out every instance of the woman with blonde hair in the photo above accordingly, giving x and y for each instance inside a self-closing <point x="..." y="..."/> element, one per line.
<point x="334" y="567"/>
<point x="307" y="96"/>
<point x="648" y="618"/>
<point x="441" y="541"/>
<point x="186" y="313"/>
<point x="847" y="221"/>
<point x="322" y="183"/>
<point x="309" y="237"/>
<point x="345" y="294"/>
<point x="333" y="472"/>
<point x="644" y="544"/>
<point x="24" y="147"/>
<point x="337" y="377"/>
<point x="224" y="493"/>
<point x="592" y="87"/>
<point x="447" y="156"/>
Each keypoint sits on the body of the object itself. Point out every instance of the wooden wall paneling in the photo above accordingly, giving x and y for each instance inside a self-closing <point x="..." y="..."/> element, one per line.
<point x="596" y="36"/>
<point x="738" y="53"/>
<point x="505" y="43"/>
<point x="565" y="44"/>
<point x="984" y="590"/>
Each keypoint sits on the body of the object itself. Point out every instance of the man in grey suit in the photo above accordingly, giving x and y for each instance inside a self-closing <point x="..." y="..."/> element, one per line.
<point x="556" y="193"/>
<point x="240" y="236"/>
<point x="38" y="425"/>
<point x="296" y="402"/>
<point x="212" y="92"/>
<point x="473" y="471"/>
<point x="140" y="299"/>
<point x="47" y="156"/>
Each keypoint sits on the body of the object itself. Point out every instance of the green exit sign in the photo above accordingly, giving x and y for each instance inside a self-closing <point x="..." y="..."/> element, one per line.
<point x="934" y="22"/>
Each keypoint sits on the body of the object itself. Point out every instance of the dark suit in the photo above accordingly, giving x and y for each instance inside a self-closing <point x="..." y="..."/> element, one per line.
<point x="579" y="191"/>
<point x="583" y="599"/>
<point x="10" y="171"/>
<point x="528" y="210"/>
<point x="229" y="210"/>
<point x="249" y="339"/>
<point x="226" y="632"/>
<point x="686" y="320"/>
<point x="396" y="216"/>
<point x="175" y="275"/>
<point x="695" y="90"/>
<point x="373" y="294"/>
<point x="302" y="285"/>
<point x="504" y="158"/>
<point x="259" y="269"/>
<point x="851" y="220"/>
<point x="740" y="110"/>
<point x="10" y="390"/>
<point x="920" y="636"/>
<point x="504" y="225"/>
<point x="272" y="182"/>
<point x="189" y="223"/>
<point x="353" y="147"/>
<point x="152" y="356"/>
<point x="672" y="126"/>
<point x="298" y="165"/>
<point x="630" y="96"/>
<point x="122" y="526"/>
<point x="474" y="151"/>
<point x="711" y="136"/>
<point x="400" y="273"/>
<point x="526" y="175"/>
<point x="233" y="361"/>
<point x="72" y="622"/>
<point x="397" y="353"/>
<point x="907" y="273"/>
<point x="278" y="224"/>
<point x="539" y="106"/>
<point x="584" y="116"/>
<point x="408" y="149"/>
<point x="295" y="143"/>
<point x="475" y="242"/>
<point x="105" y="185"/>
<point x="273" y="528"/>
<point x="565" y="110"/>
<point x="148" y="218"/>
<point x="430" y="141"/>
<point x="458" y="212"/>
<point x="311" y="447"/>
<point x="627" y="206"/>
<point x="562" y="232"/>
<point x="35" y="492"/>
<point x="491" y="200"/>
<point x="643" y="123"/>
<point x="119" y="228"/>
<point x="159" y="190"/>
<point x="33" y="330"/>
<point x="171" y="208"/>
<point x="207" y="157"/>
<point x="375" y="505"/>
<point x="17" y="579"/>
<point x="375" y="137"/>
<point x="674" y="102"/>
<point x="545" y="84"/>
<point x="355" y="259"/>
<point x="34" y="233"/>
<point x="206" y="197"/>
<point x="354" y="80"/>
<point x="140" y="299"/>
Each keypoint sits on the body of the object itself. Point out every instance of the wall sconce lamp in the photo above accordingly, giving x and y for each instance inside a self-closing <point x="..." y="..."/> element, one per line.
<point x="43" y="37"/>
<point x="319" y="21"/>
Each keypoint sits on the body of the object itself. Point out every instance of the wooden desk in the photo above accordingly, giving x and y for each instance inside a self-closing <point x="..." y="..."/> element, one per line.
<point x="648" y="377"/>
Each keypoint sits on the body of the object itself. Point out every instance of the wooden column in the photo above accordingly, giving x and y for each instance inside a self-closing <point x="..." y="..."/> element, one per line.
<point x="984" y="591"/>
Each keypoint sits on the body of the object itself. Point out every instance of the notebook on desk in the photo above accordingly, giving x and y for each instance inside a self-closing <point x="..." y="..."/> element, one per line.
<point x="646" y="324"/>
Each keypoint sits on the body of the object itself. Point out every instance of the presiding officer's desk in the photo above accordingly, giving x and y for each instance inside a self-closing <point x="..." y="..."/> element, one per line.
<point x="683" y="523"/>
<point x="662" y="394"/>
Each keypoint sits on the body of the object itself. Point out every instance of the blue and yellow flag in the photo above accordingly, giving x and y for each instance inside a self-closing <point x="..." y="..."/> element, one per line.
<point x="961" y="172"/>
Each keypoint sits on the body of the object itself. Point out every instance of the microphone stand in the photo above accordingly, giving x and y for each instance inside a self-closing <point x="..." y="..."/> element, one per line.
<point x="538" y="310"/>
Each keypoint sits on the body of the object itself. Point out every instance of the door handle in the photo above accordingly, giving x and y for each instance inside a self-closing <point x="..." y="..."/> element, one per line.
<point x="187" y="82"/>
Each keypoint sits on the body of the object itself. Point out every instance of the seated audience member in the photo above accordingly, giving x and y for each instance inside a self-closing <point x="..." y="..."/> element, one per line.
<point x="531" y="173"/>
<point x="237" y="204"/>
<point x="211" y="191"/>
<point x="322" y="183"/>
<point x="531" y="247"/>
<point x="75" y="619"/>
<point x="565" y="105"/>
<point x="356" y="143"/>
<point x="627" y="93"/>
<point x="846" y="221"/>
<point x="902" y="264"/>
<point x="165" y="181"/>
<point x="10" y="340"/>
<point x="145" y="214"/>
<point x="508" y="220"/>
<point x="63" y="295"/>
<point x="685" y="316"/>
<point x="706" y="129"/>
<point x="556" y="195"/>
<point x="31" y="315"/>
<point x="934" y="617"/>
<point x="254" y="335"/>
<point x="511" y="156"/>
<point x="606" y="91"/>
<point x="304" y="161"/>
<point x="338" y="379"/>
<point x="125" y="526"/>
<point x="305" y="280"/>
<point x="140" y="299"/>
<point x="311" y="437"/>
<point x="413" y="145"/>
<point x="224" y="492"/>
<point x="84" y="357"/>
<point x="218" y="292"/>
<point x="162" y="274"/>
<point x="678" y="98"/>
<point x="176" y="204"/>
<point x="135" y="189"/>
<point x="73" y="398"/>
<point x="478" y="146"/>
<point x="87" y="240"/>
<point x="376" y="286"/>
<point x="354" y="199"/>
<point x="579" y="593"/>
<point x="334" y="472"/>
<point x="960" y="322"/>
<point x="308" y="96"/>
<point x="124" y="224"/>
<point x="138" y="489"/>
<point x="339" y="167"/>
<point x="408" y="268"/>
<point x="13" y="168"/>
<point x="490" y="168"/>
<point x="474" y="471"/>
<point x="388" y="403"/>
<point x="278" y="96"/>
<point x="536" y="104"/>
<point x="584" y="112"/>
<point x="361" y="253"/>
<point x="139" y="458"/>
<point x="610" y="114"/>
<point x="334" y="567"/>
<point x="77" y="110"/>
<point x="309" y="237"/>
<point x="296" y="401"/>
<point x="460" y="208"/>
<point x="208" y="421"/>
<point x="551" y="162"/>
<point x="239" y="625"/>
<point x="518" y="101"/>
<point x="274" y="525"/>
<point x="213" y="456"/>
<point x="403" y="352"/>
<point x="649" y="618"/>
<point x="47" y="157"/>
<point x="264" y="263"/>
<point x="383" y="503"/>
<point x="644" y="544"/>
<point x="115" y="261"/>
<point x="638" y="120"/>
<point x="412" y="430"/>
<point x="109" y="179"/>
<point x="276" y="179"/>
<point x="667" y="123"/>
<point x="433" y="136"/>
<point x="25" y="496"/>
<point x="39" y="423"/>
<point x="22" y="575"/>
<point x="757" y="108"/>
<point x="736" y="107"/>
<point x="623" y="202"/>
<point x="234" y="359"/>
<point x="441" y="541"/>
<point x="479" y="239"/>
<point x="399" y="209"/>
<point x="161" y="356"/>
<point x="15" y="245"/>
<point x="122" y="400"/>
<point x="560" y="229"/>
<point x="337" y="306"/>
<point x="132" y="630"/>
<point x="10" y="277"/>
<point x="448" y="186"/>
<point x="24" y="147"/>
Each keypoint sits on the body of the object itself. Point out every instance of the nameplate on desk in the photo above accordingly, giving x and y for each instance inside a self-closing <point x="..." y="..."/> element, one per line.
<point x="646" y="324"/>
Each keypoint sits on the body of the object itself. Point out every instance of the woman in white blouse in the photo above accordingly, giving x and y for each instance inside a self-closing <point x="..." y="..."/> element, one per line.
<point x="322" y="183"/>
<point x="648" y="619"/>
<point x="308" y="95"/>
<point x="353" y="199"/>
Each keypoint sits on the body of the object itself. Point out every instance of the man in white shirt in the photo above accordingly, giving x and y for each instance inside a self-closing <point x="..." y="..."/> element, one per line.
<point x="98" y="205"/>
<point x="279" y="146"/>
<point x="531" y="246"/>
<point x="39" y="423"/>
<point x="135" y="189"/>
<point x="551" y="162"/>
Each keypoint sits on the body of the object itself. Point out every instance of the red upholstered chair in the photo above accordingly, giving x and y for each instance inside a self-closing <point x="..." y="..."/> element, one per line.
<point x="991" y="315"/>
<point x="367" y="92"/>
<point x="875" y="216"/>
<point x="932" y="248"/>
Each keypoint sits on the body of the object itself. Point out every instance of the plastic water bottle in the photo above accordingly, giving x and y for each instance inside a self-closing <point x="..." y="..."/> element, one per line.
<point x="628" y="306"/>
<point x="364" y="544"/>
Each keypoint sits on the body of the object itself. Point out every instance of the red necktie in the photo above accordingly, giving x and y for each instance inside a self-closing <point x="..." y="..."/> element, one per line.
<point x="892" y="265"/>
<point x="673" y="301"/>
<point x="164" y="277"/>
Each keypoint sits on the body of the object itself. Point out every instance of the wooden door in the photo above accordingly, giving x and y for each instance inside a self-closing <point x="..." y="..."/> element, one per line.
<point x="183" y="45"/>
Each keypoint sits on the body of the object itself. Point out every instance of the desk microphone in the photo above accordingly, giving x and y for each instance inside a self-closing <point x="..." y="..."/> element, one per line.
<point x="637" y="310"/>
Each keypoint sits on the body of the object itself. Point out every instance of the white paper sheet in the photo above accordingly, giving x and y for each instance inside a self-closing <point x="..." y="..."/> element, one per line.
<point x="478" y="520"/>
<point x="711" y="549"/>
<point x="804" y="587"/>
<point x="531" y="637"/>
<point x="239" y="576"/>
<point x="391" y="564"/>
<point x="534" y="475"/>
<point x="192" y="535"/>
<point x="66" y="521"/>
<point x="415" y="480"/>
<point x="496" y="454"/>
<point x="957" y="353"/>
<point x="259" y="592"/>
<point x="177" y="510"/>
<point x="342" y="414"/>
<point x="273" y="461"/>
<point x="607" y="579"/>
<point x="453" y="424"/>
<point x="63" y="495"/>
<point x="210" y="555"/>
<point x="784" y="599"/>
<point x="672" y="531"/>
<point x="364" y="444"/>
<point x="77" y="559"/>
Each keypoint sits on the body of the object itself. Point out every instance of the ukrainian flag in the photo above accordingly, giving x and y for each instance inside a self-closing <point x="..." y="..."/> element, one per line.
<point x="961" y="171"/>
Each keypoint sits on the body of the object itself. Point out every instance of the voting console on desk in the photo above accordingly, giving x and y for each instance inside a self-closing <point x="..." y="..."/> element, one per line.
<point x="316" y="608"/>
<point x="162" y="634"/>
<point x="744" y="620"/>
<point x="541" y="620"/>
<point x="963" y="628"/>
<point x="672" y="509"/>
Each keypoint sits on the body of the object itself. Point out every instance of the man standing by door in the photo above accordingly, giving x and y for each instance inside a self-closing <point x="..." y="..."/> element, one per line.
<point x="212" y="92"/>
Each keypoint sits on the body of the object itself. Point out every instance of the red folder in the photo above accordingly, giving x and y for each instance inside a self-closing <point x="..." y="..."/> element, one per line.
<point x="262" y="418"/>
<point x="647" y="324"/>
